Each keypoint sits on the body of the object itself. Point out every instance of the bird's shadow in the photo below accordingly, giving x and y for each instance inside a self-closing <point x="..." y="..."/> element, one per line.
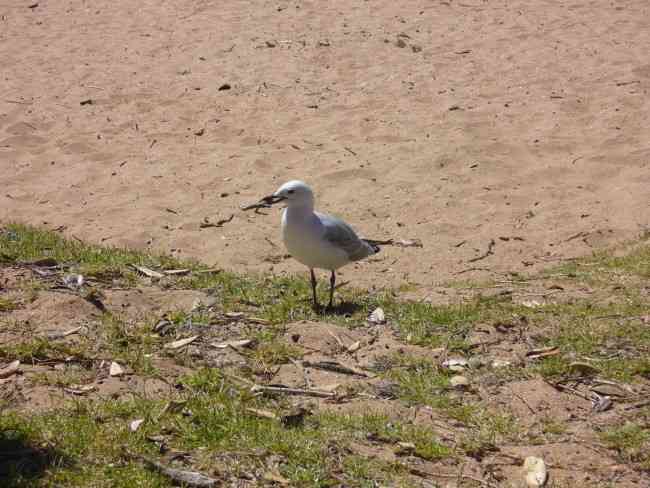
<point x="342" y="308"/>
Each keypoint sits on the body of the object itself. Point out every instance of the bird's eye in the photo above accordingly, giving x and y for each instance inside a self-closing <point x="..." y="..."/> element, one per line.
<point x="291" y="192"/>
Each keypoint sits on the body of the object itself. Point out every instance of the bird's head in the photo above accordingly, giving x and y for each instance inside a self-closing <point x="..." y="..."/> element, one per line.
<point x="295" y="193"/>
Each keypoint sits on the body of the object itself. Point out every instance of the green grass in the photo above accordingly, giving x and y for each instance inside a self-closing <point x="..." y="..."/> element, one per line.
<point x="88" y="440"/>
<point x="42" y="349"/>
<point x="631" y="441"/>
<point x="278" y="299"/>
<point x="84" y="442"/>
<point x="7" y="304"/>
<point x="21" y="243"/>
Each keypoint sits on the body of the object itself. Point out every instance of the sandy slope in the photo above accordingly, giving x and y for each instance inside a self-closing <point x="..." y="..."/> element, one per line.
<point x="445" y="121"/>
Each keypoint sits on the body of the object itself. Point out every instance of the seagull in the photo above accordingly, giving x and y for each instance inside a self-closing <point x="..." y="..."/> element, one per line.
<point x="317" y="240"/>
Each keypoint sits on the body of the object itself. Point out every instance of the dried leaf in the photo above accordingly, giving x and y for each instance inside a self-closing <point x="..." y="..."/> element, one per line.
<point x="79" y="389"/>
<point x="235" y="315"/>
<point x="177" y="271"/>
<point x="542" y="352"/>
<point x="135" y="424"/>
<point x="60" y="335"/>
<point x="335" y="367"/>
<point x="186" y="478"/>
<point x="257" y="320"/>
<point x="180" y="343"/>
<point x="291" y="391"/>
<point x="354" y="346"/>
<point x="240" y="343"/>
<point x="148" y="272"/>
<point x="266" y="414"/>
<point x="583" y="369"/>
<point x="11" y="369"/>
<point x="116" y="369"/>
<point x="609" y="390"/>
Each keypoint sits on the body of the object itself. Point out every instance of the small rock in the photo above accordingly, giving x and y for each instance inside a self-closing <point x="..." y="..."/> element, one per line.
<point x="224" y="87"/>
<point x="116" y="369"/>
<point x="400" y="43"/>
<point x="602" y="403"/>
<point x="455" y="364"/>
<point x="377" y="316"/>
<point x="476" y="362"/>
<point x="181" y="342"/>
<point x="135" y="425"/>
<point x="535" y="472"/>
<point x="73" y="280"/>
<point x="459" y="381"/>
<point x="501" y="363"/>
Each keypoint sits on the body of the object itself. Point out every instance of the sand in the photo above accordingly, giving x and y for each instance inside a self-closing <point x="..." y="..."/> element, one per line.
<point x="456" y="123"/>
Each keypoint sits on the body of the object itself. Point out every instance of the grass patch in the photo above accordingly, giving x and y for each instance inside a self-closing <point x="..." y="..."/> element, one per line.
<point x="22" y="243"/>
<point x="631" y="441"/>
<point x="7" y="304"/>
<point x="90" y="439"/>
<point x="83" y="443"/>
<point x="40" y="349"/>
<point x="130" y="344"/>
<point x="277" y="299"/>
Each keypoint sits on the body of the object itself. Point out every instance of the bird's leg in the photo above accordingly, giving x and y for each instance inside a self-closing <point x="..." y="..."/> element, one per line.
<point x="332" y="283"/>
<point x="313" y="289"/>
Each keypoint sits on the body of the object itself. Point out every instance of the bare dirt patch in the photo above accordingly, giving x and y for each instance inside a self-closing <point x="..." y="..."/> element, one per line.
<point x="455" y="123"/>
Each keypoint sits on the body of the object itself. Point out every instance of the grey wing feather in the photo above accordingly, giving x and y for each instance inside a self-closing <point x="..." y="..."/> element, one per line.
<point x="341" y="235"/>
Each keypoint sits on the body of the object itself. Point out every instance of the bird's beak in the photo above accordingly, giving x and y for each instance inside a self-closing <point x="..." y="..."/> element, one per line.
<point x="271" y="199"/>
<point x="265" y="202"/>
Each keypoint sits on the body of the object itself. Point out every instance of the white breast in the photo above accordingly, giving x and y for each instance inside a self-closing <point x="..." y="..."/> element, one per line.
<point x="303" y="238"/>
